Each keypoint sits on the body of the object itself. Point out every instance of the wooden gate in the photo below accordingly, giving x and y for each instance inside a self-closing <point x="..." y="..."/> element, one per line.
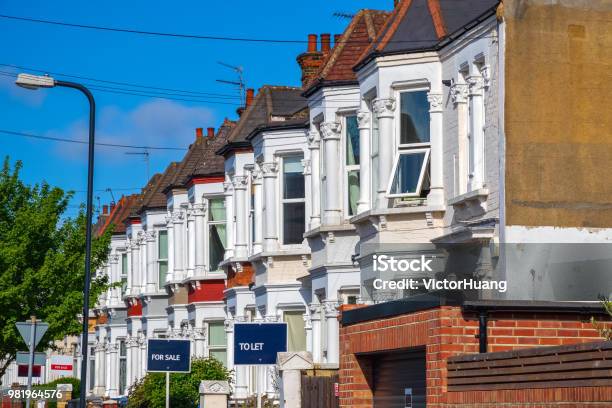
<point x="320" y="391"/>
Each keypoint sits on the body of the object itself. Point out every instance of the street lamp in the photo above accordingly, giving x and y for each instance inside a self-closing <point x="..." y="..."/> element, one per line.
<point x="35" y="82"/>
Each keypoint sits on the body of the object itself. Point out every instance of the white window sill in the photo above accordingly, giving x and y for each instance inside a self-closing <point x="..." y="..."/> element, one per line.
<point x="377" y="212"/>
<point x="475" y="196"/>
<point x="328" y="228"/>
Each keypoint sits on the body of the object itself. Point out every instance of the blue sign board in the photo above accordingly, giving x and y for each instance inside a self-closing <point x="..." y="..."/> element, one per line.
<point x="169" y="356"/>
<point x="258" y="343"/>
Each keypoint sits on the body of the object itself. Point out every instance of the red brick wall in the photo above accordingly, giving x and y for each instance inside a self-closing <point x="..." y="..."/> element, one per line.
<point x="447" y="331"/>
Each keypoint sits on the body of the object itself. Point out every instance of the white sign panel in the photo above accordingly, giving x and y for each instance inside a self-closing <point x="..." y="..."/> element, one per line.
<point x="62" y="365"/>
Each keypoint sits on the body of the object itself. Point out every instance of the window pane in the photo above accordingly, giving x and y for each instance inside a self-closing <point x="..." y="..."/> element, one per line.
<point x="407" y="173"/>
<point x="122" y="375"/>
<point x="294" y="223"/>
<point x="162" y="252"/>
<point x="216" y="334"/>
<point x="216" y="209"/>
<point x="124" y="266"/>
<point x="352" y="140"/>
<point x="353" y="191"/>
<point x="220" y="355"/>
<point x="163" y="272"/>
<point x="122" y="349"/>
<point x="296" y="334"/>
<point x="216" y="245"/>
<point x="414" y="126"/>
<point x="123" y="285"/>
<point x="293" y="177"/>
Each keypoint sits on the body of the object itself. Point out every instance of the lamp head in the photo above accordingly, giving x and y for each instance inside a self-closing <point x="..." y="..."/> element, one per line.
<point x="29" y="81"/>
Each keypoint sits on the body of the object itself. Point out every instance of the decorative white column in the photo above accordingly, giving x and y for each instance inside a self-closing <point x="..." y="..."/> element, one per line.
<point x="308" y="329"/>
<point x="363" y="121"/>
<point x="113" y="388"/>
<point x="130" y="366"/>
<point x="108" y="371"/>
<point x="315" y="318"/>
<point x="256" y="181"/>
<point x="436" y="130"/>
<point x="152" y="275"/>
<point x="142" y="345"/>
<point x="270" y="172"/>
<point x="240" y="187"/>
<point x="136" y="278"/>
<point x="459" y="94"/>
<point x="199" y="212"/>
<point x="191" y="244"/>
<point x="315" y="179"/>
<point x="229" y="214"/>
<point x="333" y="331"/>
<point x="142" y="241"/>
<point x="177" y="218"/>
<point x="384" y="108"/>
<point x="476" y="137"/>
<point x="333" y="203"/>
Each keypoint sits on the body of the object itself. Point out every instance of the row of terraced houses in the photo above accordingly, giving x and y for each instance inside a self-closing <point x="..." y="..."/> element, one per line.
<point x="455" y="126"/>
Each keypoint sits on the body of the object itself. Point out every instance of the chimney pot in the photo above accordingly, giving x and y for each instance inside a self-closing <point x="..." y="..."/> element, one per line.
<point x="325" y="43"/>
<point x="199" y="133"/>
<point x="250" y="94"/>
<point x="105" y="209"/>
<point x="312" y="43"/>
<point x="211" y="132"/>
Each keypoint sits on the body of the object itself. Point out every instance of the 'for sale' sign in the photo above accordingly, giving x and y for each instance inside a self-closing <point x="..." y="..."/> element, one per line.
<point x="62" y="365"/>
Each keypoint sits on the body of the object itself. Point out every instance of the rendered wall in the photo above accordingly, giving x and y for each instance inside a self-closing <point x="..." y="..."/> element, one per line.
<point x="557" y="112"/>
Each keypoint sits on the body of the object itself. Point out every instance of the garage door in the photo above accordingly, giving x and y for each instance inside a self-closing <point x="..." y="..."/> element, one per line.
<point x="399" y="378"/>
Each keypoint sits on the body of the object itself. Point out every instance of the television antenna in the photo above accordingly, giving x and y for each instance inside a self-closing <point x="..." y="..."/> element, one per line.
<point x="145" y="155"/>
<point x="239" y="83"/>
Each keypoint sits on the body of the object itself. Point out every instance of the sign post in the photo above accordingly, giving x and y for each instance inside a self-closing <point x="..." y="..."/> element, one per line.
<point x="31" y="332"/>
<point x="168" y="356"/>
<point x="258" y="344"/>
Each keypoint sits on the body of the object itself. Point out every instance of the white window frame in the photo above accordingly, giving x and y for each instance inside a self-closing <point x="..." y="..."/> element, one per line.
<point x="283" y="201"/>
<point x="417" y="193"/>
<point x="404" y="149"/>
<point x="124" y="273"/>
<point x="210" y="223"/>
<point x="346" y="169"/>
<point x="160" y="284"/>
<point x="216" y="347"/>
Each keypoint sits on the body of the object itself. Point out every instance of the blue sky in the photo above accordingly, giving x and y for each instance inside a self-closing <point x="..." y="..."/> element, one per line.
<point x="163" y="62"/>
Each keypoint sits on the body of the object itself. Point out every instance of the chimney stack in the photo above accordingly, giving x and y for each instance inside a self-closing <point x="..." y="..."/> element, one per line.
<point x="211" y="132"/>
<point x="311" y="60"/>
<point x="250" y="94"/>
<point x="337" y="39"/>
<point x="105" y="209"/>
<point x="325" y="43"/>
<point x="112" y="206"/>
<point x="199" y="133"/>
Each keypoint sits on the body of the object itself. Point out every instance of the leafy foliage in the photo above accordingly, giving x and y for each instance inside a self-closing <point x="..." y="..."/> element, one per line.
<point x="42" y="261"/>
<point x="604" y="332"/>
<point x="76" y="388"/>
<point x="150" y="392"/>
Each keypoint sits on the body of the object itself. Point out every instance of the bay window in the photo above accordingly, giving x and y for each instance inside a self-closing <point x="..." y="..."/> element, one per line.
<point x="217" y="341"/>
<point x="216" y="232"/>
<point x="293" y="201"/>
<point x="162" y="257"/>
<point x="410" y="175"/>
<point x="351" y="164"/>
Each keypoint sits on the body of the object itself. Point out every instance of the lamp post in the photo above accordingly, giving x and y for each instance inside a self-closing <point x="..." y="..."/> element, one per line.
<point x="35" y="82"/>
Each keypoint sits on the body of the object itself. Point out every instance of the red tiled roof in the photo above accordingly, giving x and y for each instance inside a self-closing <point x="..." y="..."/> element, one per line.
<point x="120" y="213"/>
<point x="362" y="30"/>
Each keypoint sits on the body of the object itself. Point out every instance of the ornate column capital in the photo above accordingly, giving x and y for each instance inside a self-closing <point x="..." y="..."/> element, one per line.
<point x="256" y="175"/>
<point x="435" y="101"/>
<point x="384" y="107"/>
<point x="229" y="325"/>
<point x="459" y="93"/>
<point x="150" y="236"/>
<point x="476" y="85"/>
<point x="313" y="139"/>
<point x="113" y="259"/>
<point x="178" y="216"/>
<point x="363" y="119"/>
<point x="199" y="210"/>
<point x="331" y="308"/>
<point x="269" y="169"/>
<point x="240" y="182"/>
<point x="331" y="130"/>
<point x="315" y="309"/>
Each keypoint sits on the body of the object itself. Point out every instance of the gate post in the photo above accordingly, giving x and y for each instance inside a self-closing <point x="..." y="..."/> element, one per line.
<point x="214" y="394"/>
<point x="290" y="366"/>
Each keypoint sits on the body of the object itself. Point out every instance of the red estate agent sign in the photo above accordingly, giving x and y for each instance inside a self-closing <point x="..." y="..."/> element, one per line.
<point x="61" y="364"/>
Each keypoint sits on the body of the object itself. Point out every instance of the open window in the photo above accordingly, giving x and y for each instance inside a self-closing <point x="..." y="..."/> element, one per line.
<point x="410" y="174"/>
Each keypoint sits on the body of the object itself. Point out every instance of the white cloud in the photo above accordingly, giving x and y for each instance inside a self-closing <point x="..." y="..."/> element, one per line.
<point x="153" y="123"/>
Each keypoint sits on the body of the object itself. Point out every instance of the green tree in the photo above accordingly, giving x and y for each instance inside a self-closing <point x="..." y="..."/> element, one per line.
<point x="42" y="261"/>
<point x="605" y="332"/>
<point x="150" y="391"/>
